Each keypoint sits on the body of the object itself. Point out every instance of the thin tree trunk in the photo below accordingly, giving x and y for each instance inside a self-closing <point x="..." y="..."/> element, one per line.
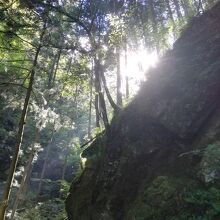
<point x="187" y="8"/>
<point x="111" y="101"/>
<point x="155" y="25"/>
<point x="126" y="68"/>
<point x="75" y="100"/>
<point x="100" y="96"/>
<point x="19" y="136"/>
<point x="199" y="6"/>
<point x="64" y="166"/>
<point x="68" y="69"/>
<point x="25" y="175"/>
<point x="97" y="95"/>
<point x="57" y="65"/>
<point x="90" y="107"/>
<point x="65" y="163"/>
<point x="171" y="18"/>
<point x="186" y="12"/>
<point x="22" y="185"/>
<point x="27" y="181"/>
<point x="103" y="111"/>
<point x="144" y="22"/>
<point x="50" y="77"/>
<point x="45" y="163"/>
<point x="177" y="7"/>
<point x="97" y="108"/>
<point x="119" y="94"/>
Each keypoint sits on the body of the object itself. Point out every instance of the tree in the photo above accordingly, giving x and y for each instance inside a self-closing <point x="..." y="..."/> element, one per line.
<point x="19" y="136"/>
<point x="72" y="64"/>
<point x="26" y="172"/>
<point x="119" y="94"/>
<point x="45" y="162"/>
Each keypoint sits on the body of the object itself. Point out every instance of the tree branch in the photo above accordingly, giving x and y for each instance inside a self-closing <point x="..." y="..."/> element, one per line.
<point x="89" y="141"/>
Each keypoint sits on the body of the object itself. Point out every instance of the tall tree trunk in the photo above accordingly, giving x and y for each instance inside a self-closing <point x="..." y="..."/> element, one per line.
<point x="57" y="65"/>
<point x="119" y="94"/>
<point x="75" y="100"/>
<point x="25" y="174"/>
<point x="177" y="7"/>
<point x="68" y="70"/>
<point x="45" y="163"/>
<point x="110" y="99"/>
<point x="19" y="136"/>
<point x="50" y="75"/>
<point x="64" y="166"/>
<point x="97" y="85"/>
<point x="188" y="11"/>
<point x="199" y="6"/>
<point x="171" y="18"/>
<point x="65" y="163"/>
<point x="100" y="96"/>
<point x="97" y="108"/>
<point x="90" y="107"/>
<point x="185" y="8"/>
<point x="126" y="69"/>
<point x="155" y="24"/>
<point x="27" y="181"/>
<point x="144" y="22"/>
<point x="103" y="111"/>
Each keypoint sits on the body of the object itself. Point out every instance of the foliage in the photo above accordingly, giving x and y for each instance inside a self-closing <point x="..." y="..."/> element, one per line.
<point x="51" y="209"/>
<point x="65" y="88"/>
<point x="177" y="199"/>
<point x="204" y="202"/>
<point x="210" y="164"/>
<point x="64" y="189"/>
<point x="159" y="200"/>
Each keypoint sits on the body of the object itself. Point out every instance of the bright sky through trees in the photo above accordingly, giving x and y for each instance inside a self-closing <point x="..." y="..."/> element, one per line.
<point x="138" y="63"/>
<point x="73" y="65"/>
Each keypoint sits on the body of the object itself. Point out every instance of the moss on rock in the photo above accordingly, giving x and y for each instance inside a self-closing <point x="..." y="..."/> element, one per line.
<point x="148" y="167"/>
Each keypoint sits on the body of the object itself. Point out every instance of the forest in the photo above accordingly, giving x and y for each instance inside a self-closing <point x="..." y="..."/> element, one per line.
<point x="109" y="110"/>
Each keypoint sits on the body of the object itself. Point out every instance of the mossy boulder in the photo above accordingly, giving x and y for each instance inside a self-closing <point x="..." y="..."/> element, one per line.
<point x="169" y="198"/>
<point x="156" y="158"/>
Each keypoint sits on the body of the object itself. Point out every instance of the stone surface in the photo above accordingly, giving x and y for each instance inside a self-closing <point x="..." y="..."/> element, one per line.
<point x="157" y="145"/>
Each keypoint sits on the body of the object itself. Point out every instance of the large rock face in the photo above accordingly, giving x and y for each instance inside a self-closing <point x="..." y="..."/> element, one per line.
<point x="162" y="158"/>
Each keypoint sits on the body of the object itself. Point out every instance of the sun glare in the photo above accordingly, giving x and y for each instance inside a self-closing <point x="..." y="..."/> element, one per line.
<point x="138" y="62"/>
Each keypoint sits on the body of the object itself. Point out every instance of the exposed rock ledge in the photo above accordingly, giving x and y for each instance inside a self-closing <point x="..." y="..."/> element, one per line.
<point x="161" y="160"/>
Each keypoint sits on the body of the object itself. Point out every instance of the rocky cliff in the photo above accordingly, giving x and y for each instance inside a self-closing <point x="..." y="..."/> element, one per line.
<point x="162" y="158"/>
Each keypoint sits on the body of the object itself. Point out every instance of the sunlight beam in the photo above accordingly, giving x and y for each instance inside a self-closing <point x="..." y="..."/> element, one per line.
<point x="138" y="63"/>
